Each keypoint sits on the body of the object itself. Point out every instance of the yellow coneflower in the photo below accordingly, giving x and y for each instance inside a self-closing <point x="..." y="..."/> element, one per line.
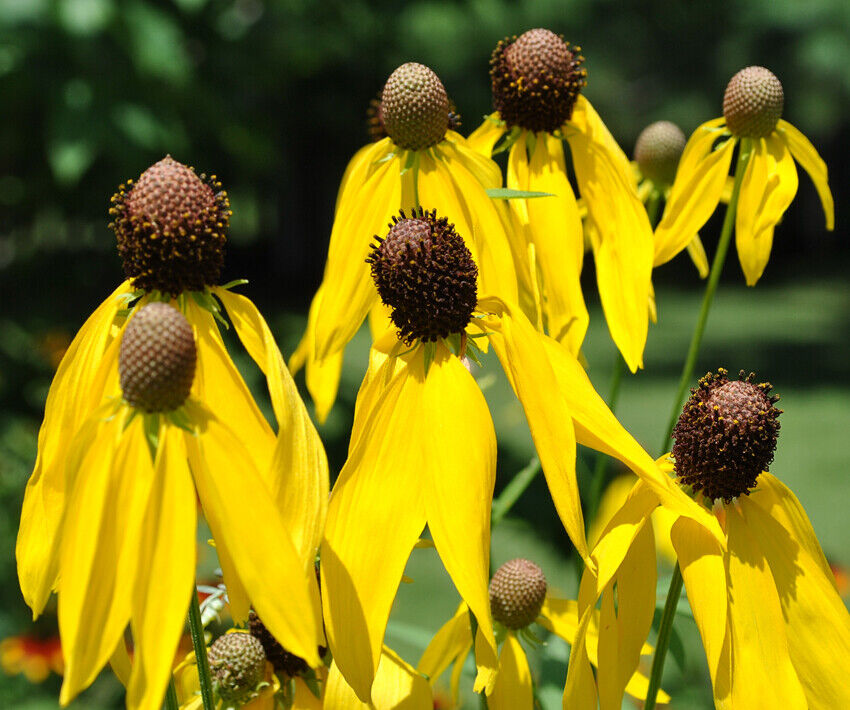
<point x="537" y="81"/>
<point x="171" y="227"/>
<point x="423" y="448"/>
<point x="752" y="110"/>
<point x="421" y="161"/>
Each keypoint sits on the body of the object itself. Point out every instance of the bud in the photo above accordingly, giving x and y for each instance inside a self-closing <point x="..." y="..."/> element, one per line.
<point x="156" y="362"/>
<point x="536" y="80"/>
<point x="425" y="274"/>
<point x="726" y="435"/>
<point x="752" y="104"/>
<point x="657" y="151"/>
<point x="238" y="665"/>
<point x="414" y="107"/>
<point x="517" y="593"/>
<point x="170" y="226"/>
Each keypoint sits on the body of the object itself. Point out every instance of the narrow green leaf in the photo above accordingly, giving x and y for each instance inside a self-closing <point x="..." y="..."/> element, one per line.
<point x="505" y="193"/>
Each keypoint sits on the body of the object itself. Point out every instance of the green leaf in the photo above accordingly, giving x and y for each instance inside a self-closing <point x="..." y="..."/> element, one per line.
<point x="505" y="193"/>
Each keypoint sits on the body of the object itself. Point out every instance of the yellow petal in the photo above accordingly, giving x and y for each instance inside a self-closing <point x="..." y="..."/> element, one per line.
<point x="782" y="505"/>
<point x="298" y="477"/>
<point x="805" y="154"/>
<point x="623" y="631"/>
<point x="485" y="170"/>
<point x="580" y="688"/>
<point x="513" y="689"/>
<point x="484" y="138"/>
<point x="495" y="262"/>
<point x="518" y="346"/>
<point x="363" y="211"/>
<point x="380" y="488"/>
<point x="696" y="191"/>
<point x="304" y="698"/>
<point x="397" y="687"/>
<point x="625" y="253"/>
<point x="361" y="165"/>
<point x="221" y="388"/>
<point x="701" y="562"/>
<point x="71" y="397"/>
<point x="242" y="514"/>
<point x="555" y="229"/>
<point x="763" y="675"/>
<point x="817" y="620"/>
<point x="120" y="662"/>
<point x="460" y="438"/>
<point x="450" y="644"/>
<point x="697" y="253"/>
<point x="100" y="547"/>
<point x="167" y="556"/>
<point x="767" y="189"/>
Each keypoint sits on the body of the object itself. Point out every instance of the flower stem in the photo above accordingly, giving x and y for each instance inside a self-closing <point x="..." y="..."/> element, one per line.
<point x="512" y="492"/>
<point x="675" y="590"/>
<point x="171" y="696"/>
<point x="196" y="628"/>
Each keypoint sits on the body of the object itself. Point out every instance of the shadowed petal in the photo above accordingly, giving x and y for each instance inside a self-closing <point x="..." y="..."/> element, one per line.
<point x="805" y="154"/>
<point x="484" y="138"/>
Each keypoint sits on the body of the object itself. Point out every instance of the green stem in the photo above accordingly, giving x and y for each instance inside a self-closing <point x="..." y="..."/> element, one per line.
<point x="171" y="696"/>
<point x="196" y="628"/>
<point x="512" y="492"/>
<point x="653" y="207"/>
<point x="675" y="590"/>
<point x="711" y="287"/>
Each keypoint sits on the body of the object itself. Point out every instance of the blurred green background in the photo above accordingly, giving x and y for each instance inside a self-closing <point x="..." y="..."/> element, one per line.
<point x="272" y="97"/>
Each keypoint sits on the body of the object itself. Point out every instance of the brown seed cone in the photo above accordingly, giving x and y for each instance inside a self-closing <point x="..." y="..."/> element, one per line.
<point x="238" y="665"/>
<point x="157" y="359"/>
<point x="753" y="102"/>
<point x="658" y="149"/>
<point x="414" y="107"/>
<point x="517" y="593"/>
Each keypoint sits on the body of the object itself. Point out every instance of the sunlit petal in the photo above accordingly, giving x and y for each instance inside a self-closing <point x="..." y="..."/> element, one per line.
<point x="484" y="138"/>
<point x="513" y="689"/>
<point x="397" y="687"/>
<point x="697" y="253"/>
<point x="805" y="154"/>
<point x="580" y="688"/>
<point x="699" y="183"/>
<point x="453" y="641"/>
<point x="486" y="171"/>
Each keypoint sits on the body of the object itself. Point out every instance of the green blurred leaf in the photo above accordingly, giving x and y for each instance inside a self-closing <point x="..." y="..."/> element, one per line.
<point x="504" y="193"/>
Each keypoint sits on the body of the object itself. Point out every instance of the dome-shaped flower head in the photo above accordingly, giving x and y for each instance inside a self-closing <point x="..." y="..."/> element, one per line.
<point x="537" y="80"/>
<point x="422" y="450"/>
<point x="137" y="396"/>
<point x="767" y="145"/>
<point x="420" y="161"/>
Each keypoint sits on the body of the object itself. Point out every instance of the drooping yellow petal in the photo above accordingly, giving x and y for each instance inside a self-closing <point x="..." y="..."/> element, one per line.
<point x="451" y="644"/>
<point x="298" y="477"/>
<point x="167" y="557"/>
<point x="767" y="189"/>
<point x="702" y="566"/>
<point x="120" y="662"/>
<point x="580" y="688"/>
<point x="554" y="227"/>
<point x="762" y="672"/>
<point x="699" y="183"/>
<point x="242" y="514"/>
<point x="381" y="488"/>
<point x="486" y="171"/>
<point x="459" y="462"/>
<point x="322" y="375"/>
<point x="623" y="631"/>
<point x="518" y="347"/>
<point x="70" y="399"/>
<point x="522" y="248"/>
<point x="495" y="262"/>
<point x="363" y="211"/>
<point x="697" y="253"/>
<point x="625" y="254"/>
<point x="219" y="385"/>
<point x="99" y="555"/>
<point x="484" y="138"/>
<point x="780" y="503"/>
<point x="397" y="687"/>
<point x="817" y="621"/>
<point x="304" y="698"/>
<point x="513" y="689"/>
<point x="805" y="154"/>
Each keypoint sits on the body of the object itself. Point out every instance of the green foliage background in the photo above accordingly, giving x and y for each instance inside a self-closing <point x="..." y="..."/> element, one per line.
<point x="272" y="96"/>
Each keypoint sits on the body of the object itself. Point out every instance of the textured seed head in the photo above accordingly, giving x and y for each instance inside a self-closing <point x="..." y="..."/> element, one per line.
<point x="536" y="79"/>
<point x="752" y="104"/>
<point x="170" y="226"/>
<point x="425" y="274"/>
<point x="658" y="149"/>
<point x="414" y="107"/>
<point x="284" y="662"/>
<point x="238" y="665"/>
<point x="157" y="358"/>
<point x="517" y="593"/>
<point x="726" y="435"/>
